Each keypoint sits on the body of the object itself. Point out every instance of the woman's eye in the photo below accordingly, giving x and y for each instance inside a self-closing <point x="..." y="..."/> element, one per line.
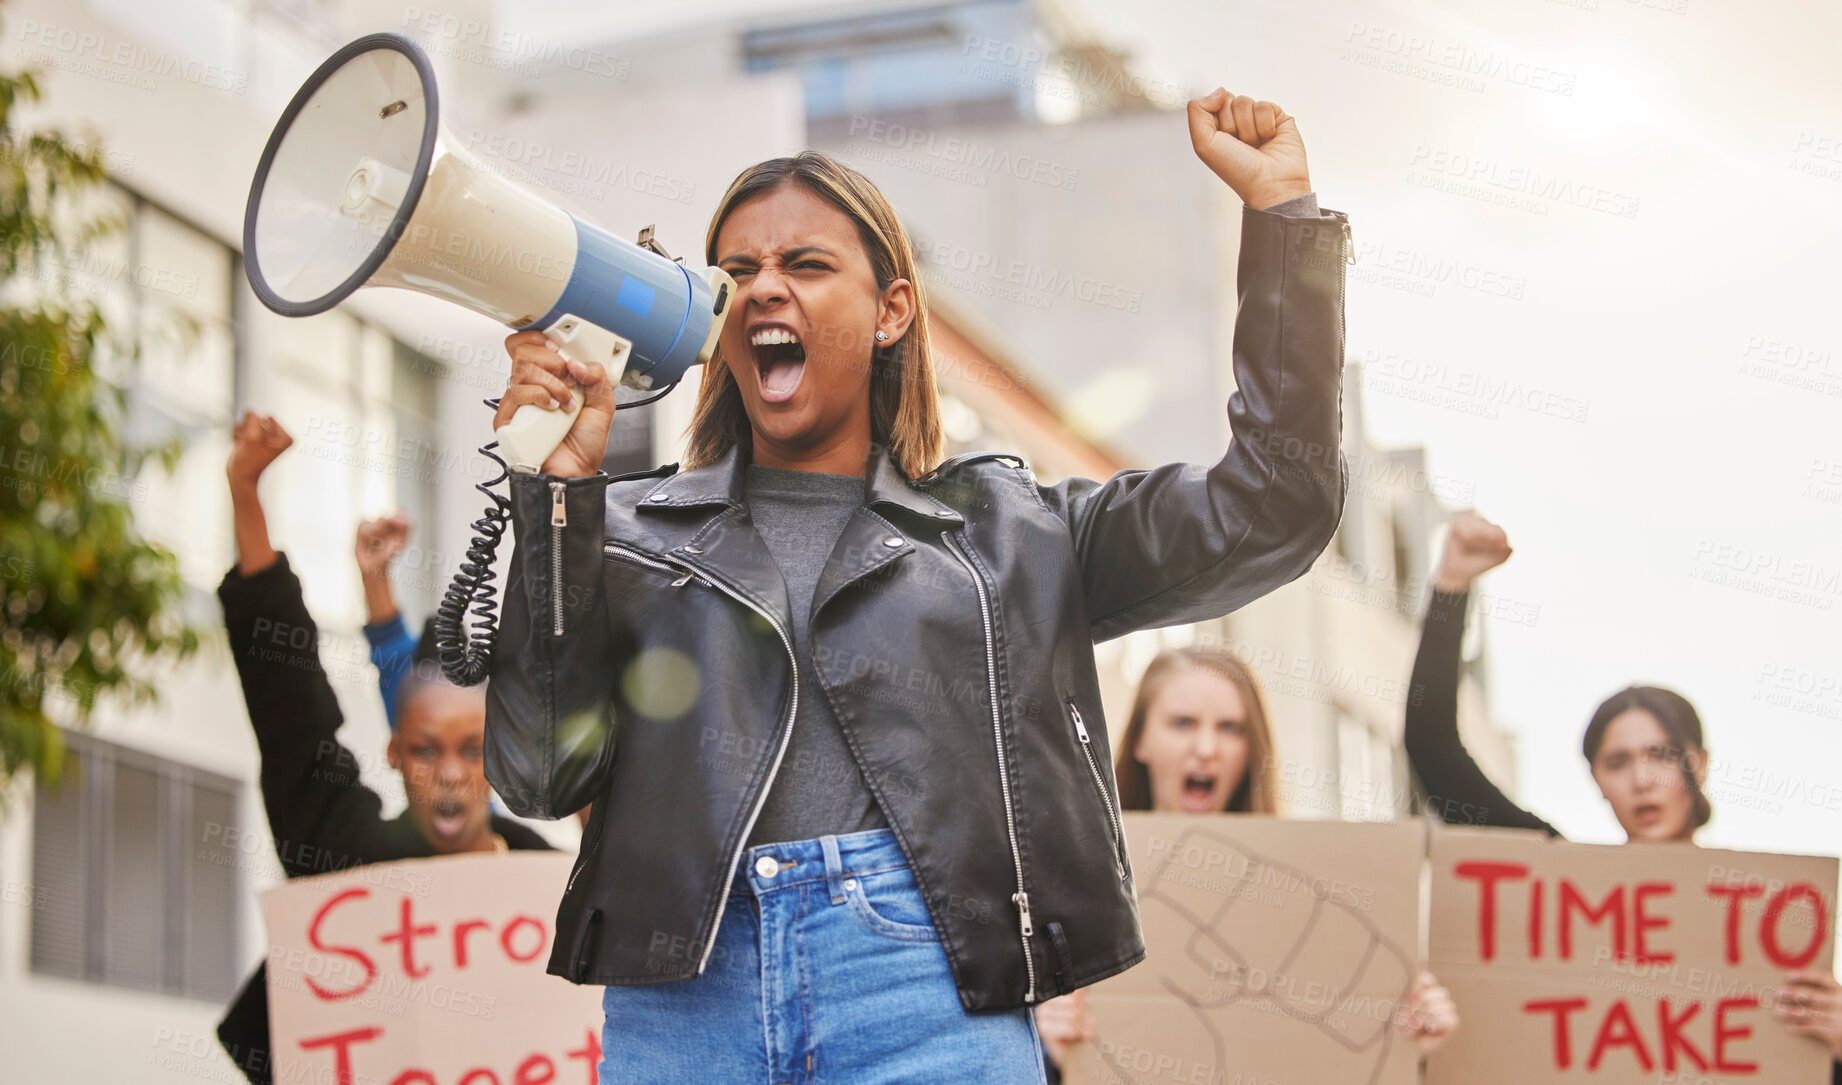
<point x="1183" y="723"/>
<point x="812" y="264"/>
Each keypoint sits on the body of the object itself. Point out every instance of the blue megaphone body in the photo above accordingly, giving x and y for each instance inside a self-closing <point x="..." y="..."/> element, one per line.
<point x="360" y="185"/>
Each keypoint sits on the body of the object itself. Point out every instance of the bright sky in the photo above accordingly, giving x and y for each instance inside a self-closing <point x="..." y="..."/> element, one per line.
<point x="1595" y="279"/>
<point x="1688" y="312"/>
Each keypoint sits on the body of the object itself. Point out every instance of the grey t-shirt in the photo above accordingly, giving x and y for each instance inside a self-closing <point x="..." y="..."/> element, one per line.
<point x="819" y="789"/>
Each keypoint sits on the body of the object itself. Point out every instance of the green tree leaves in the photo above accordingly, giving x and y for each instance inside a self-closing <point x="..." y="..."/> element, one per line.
<point x="87" y="605"/>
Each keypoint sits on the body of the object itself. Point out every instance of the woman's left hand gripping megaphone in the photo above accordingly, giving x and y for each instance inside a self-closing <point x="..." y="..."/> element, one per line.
<point x="530" y="432"/>
<point x="556" y="411"/>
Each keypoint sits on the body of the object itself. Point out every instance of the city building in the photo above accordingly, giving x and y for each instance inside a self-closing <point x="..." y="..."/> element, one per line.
<point x="1061" y="217"/>
<point x="1081" y="266"/>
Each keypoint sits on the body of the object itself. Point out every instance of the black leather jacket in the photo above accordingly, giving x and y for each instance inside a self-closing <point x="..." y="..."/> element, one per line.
<point x="644" y="660"/>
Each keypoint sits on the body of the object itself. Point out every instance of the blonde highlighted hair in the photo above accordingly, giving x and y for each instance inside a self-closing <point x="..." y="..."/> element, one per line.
<point x="1258" y="791"/>
<point x="904" y="406"/>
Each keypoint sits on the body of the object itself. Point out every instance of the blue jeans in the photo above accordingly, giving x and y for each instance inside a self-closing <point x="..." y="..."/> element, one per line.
<point x="827" y="969"/>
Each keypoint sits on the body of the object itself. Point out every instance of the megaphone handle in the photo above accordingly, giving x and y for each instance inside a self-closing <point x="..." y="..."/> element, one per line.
<point x="534" y="432"/>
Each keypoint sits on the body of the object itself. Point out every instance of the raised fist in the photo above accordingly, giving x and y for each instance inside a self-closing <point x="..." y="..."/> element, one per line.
<point x="380" y="541"/>
<point x="255" y="441"/>
<point x="1254" y="146"/>
<point x="1474" y="547"/>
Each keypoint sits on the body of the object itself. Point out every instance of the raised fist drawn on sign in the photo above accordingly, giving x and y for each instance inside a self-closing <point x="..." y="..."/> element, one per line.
<point x="1329" y="980"/>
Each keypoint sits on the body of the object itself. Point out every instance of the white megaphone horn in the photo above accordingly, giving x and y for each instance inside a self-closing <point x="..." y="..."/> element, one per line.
<point x="360" y="185"/>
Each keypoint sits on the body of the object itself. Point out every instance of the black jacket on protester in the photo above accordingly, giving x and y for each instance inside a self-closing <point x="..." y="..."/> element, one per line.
<point x="644" y="660"/>
<point x="322" y="818"/>
<point x="1456" y="787"/>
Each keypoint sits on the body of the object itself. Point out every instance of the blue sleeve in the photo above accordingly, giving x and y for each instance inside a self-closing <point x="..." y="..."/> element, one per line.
<point x="392" y="648"/>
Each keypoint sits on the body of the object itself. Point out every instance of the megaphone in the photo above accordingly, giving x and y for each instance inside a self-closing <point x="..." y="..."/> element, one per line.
<point x="361" y="186"/>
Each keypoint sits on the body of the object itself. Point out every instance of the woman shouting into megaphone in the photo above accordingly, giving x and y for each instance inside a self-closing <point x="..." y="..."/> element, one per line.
<point x="834" y="699"/>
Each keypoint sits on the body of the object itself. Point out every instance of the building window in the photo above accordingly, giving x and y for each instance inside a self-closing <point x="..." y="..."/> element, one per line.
<point x="630" y="441"/>
<point x="1347" y="539"/>
<point x="1355" y="755"/>
<point x="361" y="406"/>
<point x="185" y="385"/>
<point x="133" y="896"/>
<point x="363" y="409"/>
<point x="319" y="16"/>
<point x="423" y="462"/>
<point x="1403" y="552"/>
<point x="164" y="288"/>
<point x="922" y="66"/>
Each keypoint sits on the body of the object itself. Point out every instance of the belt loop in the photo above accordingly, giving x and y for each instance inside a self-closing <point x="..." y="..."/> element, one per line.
<point x="834" y="868"/>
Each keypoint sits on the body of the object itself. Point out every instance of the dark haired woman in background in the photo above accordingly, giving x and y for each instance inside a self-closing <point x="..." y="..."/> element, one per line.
<point x="1643" y="744"/>
<point x="1198" y="742"/>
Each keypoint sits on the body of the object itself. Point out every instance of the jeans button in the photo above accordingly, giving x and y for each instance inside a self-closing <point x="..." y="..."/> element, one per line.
<point x="766" y="866"/>
<point x="850" y="883"/>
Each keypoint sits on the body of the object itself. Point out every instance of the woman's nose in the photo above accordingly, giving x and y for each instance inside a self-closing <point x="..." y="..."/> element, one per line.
<point x="768" y="285"/>
<point x="1205" y="743"/>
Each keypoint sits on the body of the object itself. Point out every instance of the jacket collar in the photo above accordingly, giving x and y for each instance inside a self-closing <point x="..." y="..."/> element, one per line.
<point x="886" y="485"/>
<point x="724" y="543"/>
<point x="724" y="482"/>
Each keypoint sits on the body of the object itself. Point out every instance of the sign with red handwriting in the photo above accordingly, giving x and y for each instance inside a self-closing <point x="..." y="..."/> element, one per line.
<point x="433" y="977"/>
<point x="1651" y="963"/>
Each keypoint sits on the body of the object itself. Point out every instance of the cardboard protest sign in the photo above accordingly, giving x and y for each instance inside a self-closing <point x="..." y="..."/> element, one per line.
<point x="1613" y="965"/>
<point x="1277" y="952"/>
<point x="427" y="972"/>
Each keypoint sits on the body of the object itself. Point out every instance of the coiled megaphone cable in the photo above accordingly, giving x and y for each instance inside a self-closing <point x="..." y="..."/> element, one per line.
<point x="466" y="654"/>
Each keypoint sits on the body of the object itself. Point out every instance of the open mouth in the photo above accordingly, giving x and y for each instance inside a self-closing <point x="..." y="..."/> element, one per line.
<point x="780" y="362"/>
<point x="1198" y="789"/>
<point x="1646" y="813"/>
<point x="449" y="817"/>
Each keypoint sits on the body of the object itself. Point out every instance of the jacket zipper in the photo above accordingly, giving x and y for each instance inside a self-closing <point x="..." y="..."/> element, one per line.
<point x="1020" y="898"/>
<point x="1349" y="254"/>
<point x="627" y="553"/>
<point x="722" y="900"/>
<point x="690" y="573"/>
<point x="1106" y="799"/>
<point x="583" y="864"/>
<point x="559" y="519"/>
